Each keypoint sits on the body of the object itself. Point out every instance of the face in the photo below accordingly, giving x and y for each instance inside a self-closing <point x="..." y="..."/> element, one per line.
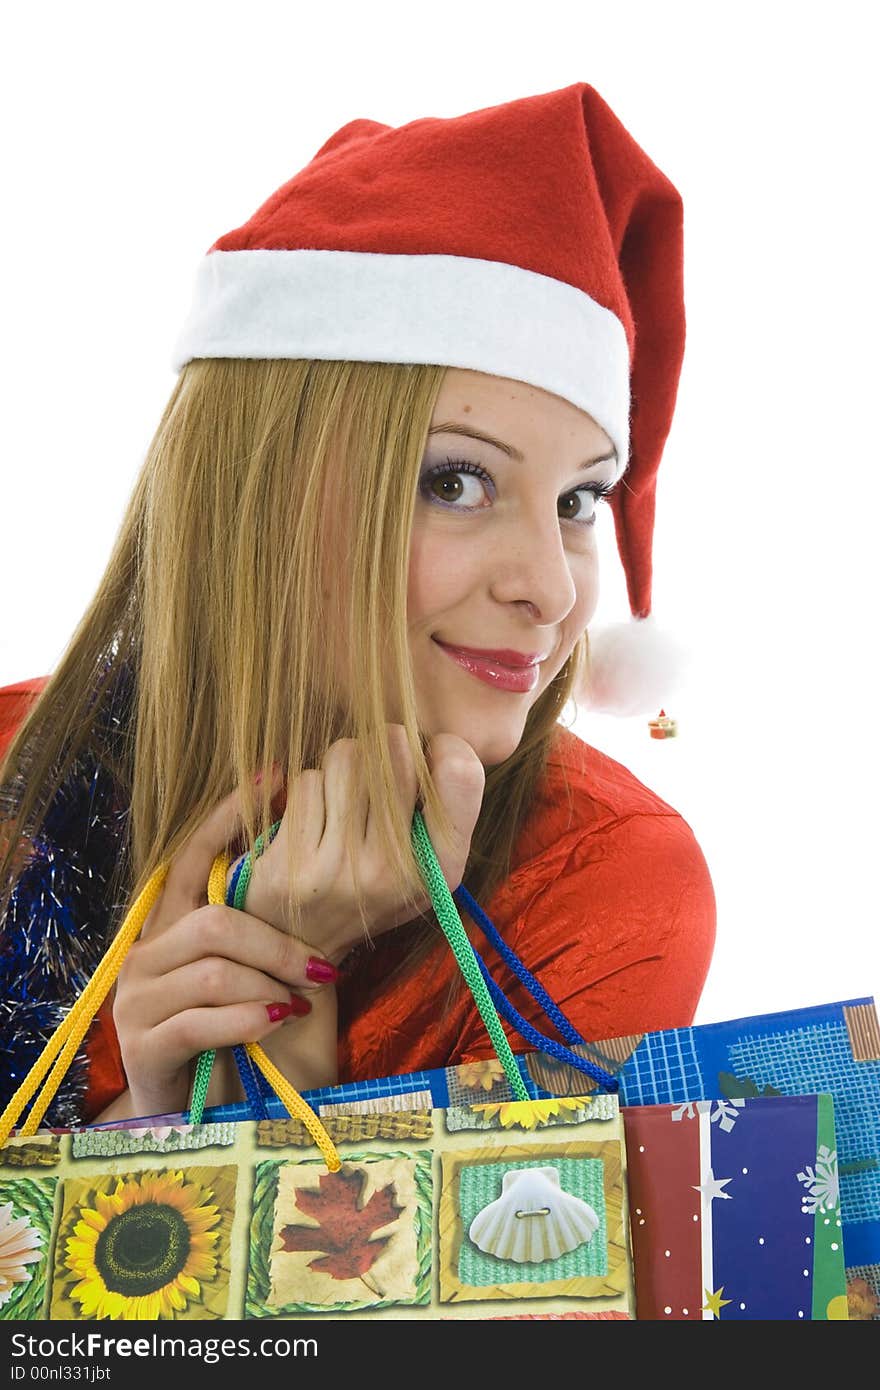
<point x="503" y="567"/>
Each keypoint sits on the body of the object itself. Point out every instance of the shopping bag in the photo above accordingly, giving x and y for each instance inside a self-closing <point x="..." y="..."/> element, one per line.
<point x="466" y="1211"/>
<point x="831" y="1048"/>
<point x="423" y="1214"/>
<point x="194" y="1213"/>
<point x="722" y="1210"/>
<point x="735" y="1210"/>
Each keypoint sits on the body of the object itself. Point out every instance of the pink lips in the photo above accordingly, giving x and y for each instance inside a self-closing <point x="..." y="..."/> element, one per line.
<point x="505" y="670"/>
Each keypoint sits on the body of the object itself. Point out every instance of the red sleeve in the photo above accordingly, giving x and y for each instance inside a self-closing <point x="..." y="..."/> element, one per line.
<point x="618" y="926"/>
<point x="15" y="701"/>
<point x="106" y="1077"/>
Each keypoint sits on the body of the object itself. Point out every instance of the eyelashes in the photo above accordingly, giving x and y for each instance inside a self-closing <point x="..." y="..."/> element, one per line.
<point x="601" y="491"/>
<point x="453" y="469"/>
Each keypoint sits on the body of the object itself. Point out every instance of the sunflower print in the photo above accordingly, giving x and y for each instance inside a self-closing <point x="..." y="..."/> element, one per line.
<point x="530" y="1114"/>
<point x="144" y="1249"/>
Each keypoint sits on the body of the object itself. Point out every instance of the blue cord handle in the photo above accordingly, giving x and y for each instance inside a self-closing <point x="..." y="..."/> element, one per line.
<point x="517" y="966"/>
<point x="525" y="1029"/>
<point x="539" y="1040"/>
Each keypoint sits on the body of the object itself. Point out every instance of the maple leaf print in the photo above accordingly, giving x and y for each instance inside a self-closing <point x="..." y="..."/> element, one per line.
<point x="345" y="1230"/>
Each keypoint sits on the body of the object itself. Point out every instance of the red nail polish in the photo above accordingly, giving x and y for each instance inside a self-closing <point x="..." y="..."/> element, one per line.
<point x="299" y="1006"/>
<point x="279" y="1011"/>
<point x="321" y="972"/>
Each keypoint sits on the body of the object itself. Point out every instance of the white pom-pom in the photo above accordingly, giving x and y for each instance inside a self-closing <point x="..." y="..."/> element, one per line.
<point x="632" y="669"/>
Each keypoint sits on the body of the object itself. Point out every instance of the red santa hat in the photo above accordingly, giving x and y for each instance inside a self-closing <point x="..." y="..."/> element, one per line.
<point x="534" y="240"/>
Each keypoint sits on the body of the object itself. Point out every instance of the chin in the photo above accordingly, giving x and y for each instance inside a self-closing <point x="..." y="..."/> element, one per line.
<point x="492" y="746"/>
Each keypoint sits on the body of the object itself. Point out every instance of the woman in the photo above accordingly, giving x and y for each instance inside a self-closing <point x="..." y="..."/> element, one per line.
<point x="359" y="563"/>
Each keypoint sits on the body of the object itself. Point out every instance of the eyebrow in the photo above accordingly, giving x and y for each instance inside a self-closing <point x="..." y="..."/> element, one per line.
<point x="450" y="427"/>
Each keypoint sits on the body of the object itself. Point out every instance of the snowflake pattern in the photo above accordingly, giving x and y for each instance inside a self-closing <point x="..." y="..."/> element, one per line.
<point x="690" y="1110"/>
<point x="823" y="1185"/>
<point x="724" y="1114"/>
<point x="684" y="1112"/>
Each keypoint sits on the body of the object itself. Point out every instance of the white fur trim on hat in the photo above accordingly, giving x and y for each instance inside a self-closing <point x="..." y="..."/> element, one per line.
<point x="456" y="311"/>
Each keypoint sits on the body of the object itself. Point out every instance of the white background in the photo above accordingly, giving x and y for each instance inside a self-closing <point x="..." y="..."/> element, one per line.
<point x="132" y="139"/>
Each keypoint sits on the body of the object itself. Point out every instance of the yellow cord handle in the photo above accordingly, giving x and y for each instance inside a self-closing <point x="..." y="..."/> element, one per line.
<point x="297" y="1108"/>
<point x="68" y="1036"/>
<point x="70" y="1032"/>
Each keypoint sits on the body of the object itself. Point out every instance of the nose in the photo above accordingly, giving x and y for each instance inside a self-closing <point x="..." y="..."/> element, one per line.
<point x="531" y="567"/>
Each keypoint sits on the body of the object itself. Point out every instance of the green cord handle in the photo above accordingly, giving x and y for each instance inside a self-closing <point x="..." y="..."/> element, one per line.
<point x="244" y="877"/>
<point x="200" y="1085"/>
<point x="451" y="925"/>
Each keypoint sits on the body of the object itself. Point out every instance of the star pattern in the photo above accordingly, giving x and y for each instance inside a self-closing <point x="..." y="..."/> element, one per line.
<point x="712" y="1187"/>
<point x="714" y="1302"/>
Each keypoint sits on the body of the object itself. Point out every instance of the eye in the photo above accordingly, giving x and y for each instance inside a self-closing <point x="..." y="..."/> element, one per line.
<point x="580" y="505"/>
<point x="456" y="483"/>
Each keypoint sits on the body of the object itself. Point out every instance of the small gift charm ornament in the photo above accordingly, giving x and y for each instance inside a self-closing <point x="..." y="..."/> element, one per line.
<point x="662" y="726"/>
<point x="533" y="1219"/>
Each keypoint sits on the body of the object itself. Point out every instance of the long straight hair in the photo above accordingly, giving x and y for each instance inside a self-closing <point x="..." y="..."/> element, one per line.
<point x="215" y="600"/>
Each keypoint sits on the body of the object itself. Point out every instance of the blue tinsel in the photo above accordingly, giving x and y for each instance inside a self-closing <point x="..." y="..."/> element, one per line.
<point x="57" y="924"/>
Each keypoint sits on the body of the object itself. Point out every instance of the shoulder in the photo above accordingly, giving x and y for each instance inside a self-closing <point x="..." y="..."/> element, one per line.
<point x="609" y="897"/>
<point x="584" y="794"/>
<point x="598" y="839"/>
<point x="15" y="701"/>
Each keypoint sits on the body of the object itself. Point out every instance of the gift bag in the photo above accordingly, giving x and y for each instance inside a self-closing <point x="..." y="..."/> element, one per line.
<point x="735" y="1210"/>
<point x="463" y="1211"/>
<point x="829" y="1048"/>
<point x="478" y="1211"/>
<point x="503" y="1170"/>
<point x="817" y="1063"/>
<point x="707" y="1210"/>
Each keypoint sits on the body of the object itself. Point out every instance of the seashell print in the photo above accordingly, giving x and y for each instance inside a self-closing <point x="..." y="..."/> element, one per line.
<point x="533" y="1219"/>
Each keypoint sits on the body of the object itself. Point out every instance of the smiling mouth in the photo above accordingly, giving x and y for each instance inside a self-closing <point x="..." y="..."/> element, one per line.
<point x="515" y="672"/>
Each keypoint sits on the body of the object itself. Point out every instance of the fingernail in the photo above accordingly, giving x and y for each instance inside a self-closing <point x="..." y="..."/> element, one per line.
<point x="279" y="1011"/>
<point x="299" y="1006"/>
<point x="321" y="972"/>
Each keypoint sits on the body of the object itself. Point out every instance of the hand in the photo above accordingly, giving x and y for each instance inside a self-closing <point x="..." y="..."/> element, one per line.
<point x="201" y="976"/>
<point x="319" y="803"/>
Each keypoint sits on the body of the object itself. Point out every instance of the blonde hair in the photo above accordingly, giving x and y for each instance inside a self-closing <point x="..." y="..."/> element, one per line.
<point x="215" y="596"/>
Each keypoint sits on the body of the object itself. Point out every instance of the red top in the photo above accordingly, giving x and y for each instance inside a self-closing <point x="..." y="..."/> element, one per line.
<point x="609" y="903"/>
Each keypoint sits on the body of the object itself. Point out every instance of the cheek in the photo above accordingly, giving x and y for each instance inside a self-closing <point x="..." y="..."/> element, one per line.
<point x="585" y="573"/>
<point x="439" y="575"/>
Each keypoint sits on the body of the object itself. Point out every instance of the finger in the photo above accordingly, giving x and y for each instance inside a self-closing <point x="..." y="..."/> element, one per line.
<point x="304" y="817"/>
<point x="186" y="885"/>
<point x="199" y="1030"/>
<point x="219" y="932"/>
<point x="406" y="785"/>
<point x="343" y="798"/>
<point x="213" y="982"/>
<point x="289" y="855"/>
<point x="460" y="780"/>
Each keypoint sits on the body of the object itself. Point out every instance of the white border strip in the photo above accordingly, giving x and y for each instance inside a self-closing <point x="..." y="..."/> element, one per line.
<point x="706" y="1272"/>
<point x="456" y="311"/>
